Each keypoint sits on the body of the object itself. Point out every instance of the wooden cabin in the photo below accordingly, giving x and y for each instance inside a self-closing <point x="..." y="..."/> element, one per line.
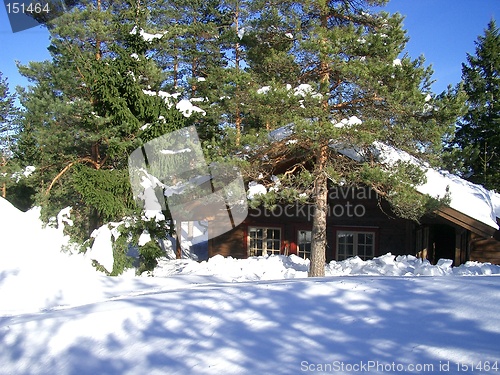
<point x="359" y="223"/>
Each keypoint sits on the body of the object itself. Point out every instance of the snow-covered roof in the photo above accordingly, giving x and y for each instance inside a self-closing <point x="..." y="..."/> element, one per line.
<point x="466" y="197"/>
<point x="470" y="199"/>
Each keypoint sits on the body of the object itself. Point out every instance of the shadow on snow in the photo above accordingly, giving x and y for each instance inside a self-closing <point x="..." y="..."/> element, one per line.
<point x="262" y="327"/>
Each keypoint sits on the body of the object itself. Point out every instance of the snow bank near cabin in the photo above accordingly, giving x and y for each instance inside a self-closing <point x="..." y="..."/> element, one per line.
<point x="288" y="267"/>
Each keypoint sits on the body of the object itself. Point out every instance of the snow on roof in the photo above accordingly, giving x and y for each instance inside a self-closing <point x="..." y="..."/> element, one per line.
<point x="466" y="197"/>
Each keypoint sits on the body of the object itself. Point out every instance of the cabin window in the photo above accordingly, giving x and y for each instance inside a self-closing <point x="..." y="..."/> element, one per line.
<point x="304" y="243"/>
<point x="264" y="241"/>
<point x="352" y="243"/>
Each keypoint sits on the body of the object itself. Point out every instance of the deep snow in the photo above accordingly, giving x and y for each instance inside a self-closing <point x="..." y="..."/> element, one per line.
<point x="228" y="316"/>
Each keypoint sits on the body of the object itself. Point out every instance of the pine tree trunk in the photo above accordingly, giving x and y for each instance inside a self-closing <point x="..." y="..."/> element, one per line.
<point x="238" y="119"/>
<point x="4" y="185"/>
<point x="238" y="126"/>
<point x="98" y="41"/>
<point x="318" y="245"/>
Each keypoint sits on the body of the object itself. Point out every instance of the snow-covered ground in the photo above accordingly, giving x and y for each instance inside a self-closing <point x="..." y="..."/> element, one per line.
<point x="227" y="316"/>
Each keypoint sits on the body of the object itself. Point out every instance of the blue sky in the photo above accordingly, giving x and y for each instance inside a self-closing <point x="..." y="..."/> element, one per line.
<point x="443" y="31"/>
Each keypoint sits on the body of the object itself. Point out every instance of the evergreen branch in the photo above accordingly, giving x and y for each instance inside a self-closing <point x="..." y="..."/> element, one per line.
<point x="351" y="103"/>
<point x="67" y="167"/>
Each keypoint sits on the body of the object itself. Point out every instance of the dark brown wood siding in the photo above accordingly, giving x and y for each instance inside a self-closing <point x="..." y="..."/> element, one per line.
<point x="232" y="243"/>
<point x="484" y="249"/>
<point x="351" y="209"/>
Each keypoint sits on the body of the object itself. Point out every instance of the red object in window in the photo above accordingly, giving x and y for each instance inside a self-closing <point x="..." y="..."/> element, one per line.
<point x="288" y="248"/>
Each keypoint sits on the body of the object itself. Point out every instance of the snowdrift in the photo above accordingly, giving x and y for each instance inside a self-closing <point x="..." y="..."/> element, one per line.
<point x="289" y="267"/>
<point x="35" y="274"/>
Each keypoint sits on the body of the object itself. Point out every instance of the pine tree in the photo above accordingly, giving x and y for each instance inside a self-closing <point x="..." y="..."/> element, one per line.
<point x="227" y="84"/>
<point x="350" y="90"/>
<point x="7" y="130"/>
<point x="477" y="136"/>
<point x="190" y="42"/>
<point x="328" y="70"/>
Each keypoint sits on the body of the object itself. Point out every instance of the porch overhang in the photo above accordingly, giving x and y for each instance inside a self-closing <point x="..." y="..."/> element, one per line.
<point x="466" y="221"/>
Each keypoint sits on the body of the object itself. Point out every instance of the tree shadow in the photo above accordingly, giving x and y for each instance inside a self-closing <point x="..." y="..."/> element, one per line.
<point x="273" y="327"/>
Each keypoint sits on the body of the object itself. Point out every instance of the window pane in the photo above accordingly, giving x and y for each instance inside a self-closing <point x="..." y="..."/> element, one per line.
<point x="304" y="236"/>
<point x="349" y="250"/>
<point x="263" y="241"/>
<point x="306" y="247"/>
<point x="346" y="238"/>
<point x="361" y="251"/>
<point x="304" y="243"/>
<point x="354" y="243"/>
<point x="369" y="238"/>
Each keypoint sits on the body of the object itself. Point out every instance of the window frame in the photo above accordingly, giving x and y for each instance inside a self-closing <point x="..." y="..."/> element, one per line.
<point x="264" y="250"/>
<point x="356" y="231"/>
<point x="304" y="255"/>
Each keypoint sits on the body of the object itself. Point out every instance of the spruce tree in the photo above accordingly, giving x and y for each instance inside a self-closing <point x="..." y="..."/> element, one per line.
<point x="89" y="107"/>
<point x="477" y="135"/>
<point x="346" y="91"/>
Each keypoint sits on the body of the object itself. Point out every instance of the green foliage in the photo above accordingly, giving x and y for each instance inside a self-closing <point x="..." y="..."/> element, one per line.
<point x="349" y="57"/>
<point x="108" y="191"/>
<point x="7" y="135"/>
<point x="86" y="111"/>
<point x="122" y="260"/>
<point x="397" y="185"/>
<point x="477" y="141"/>
<point x="7" y="108"/>
<point x="172" y="120"/>
<point x="148" y="255"/>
